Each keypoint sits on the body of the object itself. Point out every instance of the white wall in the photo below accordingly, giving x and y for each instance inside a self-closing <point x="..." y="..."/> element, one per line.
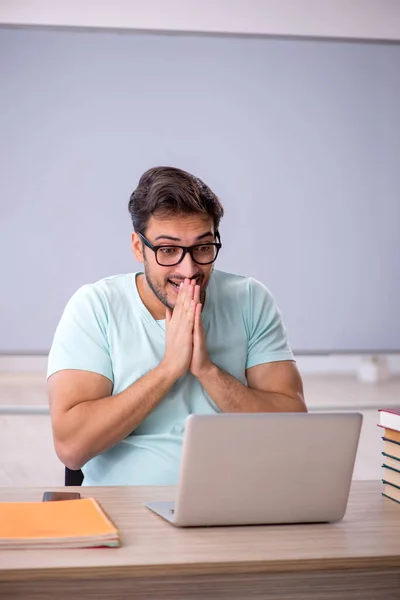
<point x="358" y="19"/>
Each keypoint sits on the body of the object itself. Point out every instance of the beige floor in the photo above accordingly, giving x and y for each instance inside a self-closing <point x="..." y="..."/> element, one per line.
<point x="27" y="456"/>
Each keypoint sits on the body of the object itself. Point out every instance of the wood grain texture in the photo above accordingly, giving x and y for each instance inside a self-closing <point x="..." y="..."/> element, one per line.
<point x="319" y="585"/>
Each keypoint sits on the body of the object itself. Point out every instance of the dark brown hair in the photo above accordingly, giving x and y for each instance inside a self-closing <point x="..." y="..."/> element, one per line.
<point x="167" y="191"/>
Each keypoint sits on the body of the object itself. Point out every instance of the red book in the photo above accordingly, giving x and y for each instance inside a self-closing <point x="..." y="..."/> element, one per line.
<point x="390" y="418"/>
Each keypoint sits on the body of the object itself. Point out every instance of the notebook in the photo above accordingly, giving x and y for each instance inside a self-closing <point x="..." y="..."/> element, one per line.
<point x="67" y="524"/>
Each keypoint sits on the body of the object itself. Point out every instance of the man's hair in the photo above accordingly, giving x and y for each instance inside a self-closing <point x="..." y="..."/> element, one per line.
<point x="167" y="191"/>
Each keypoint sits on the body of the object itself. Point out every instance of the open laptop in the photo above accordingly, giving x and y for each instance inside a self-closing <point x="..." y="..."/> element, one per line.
<point x="242" y="469"/>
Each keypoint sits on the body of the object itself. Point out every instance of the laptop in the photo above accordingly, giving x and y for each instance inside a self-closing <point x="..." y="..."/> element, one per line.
<point x="269" y="468"/>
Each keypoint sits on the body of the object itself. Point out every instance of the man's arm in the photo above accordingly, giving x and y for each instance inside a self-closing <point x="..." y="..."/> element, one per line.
<point x="87" y="420"/>
<point x="272" y="387"/>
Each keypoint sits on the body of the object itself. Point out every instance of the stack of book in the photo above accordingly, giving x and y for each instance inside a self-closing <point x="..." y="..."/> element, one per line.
<point x="390" y="422"/>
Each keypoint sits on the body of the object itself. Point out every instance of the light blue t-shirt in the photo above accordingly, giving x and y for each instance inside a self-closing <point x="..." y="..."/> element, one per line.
<point x="106" y="328"/>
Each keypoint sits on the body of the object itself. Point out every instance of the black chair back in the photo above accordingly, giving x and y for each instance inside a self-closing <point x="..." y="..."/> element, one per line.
<point x="73" y="477"/>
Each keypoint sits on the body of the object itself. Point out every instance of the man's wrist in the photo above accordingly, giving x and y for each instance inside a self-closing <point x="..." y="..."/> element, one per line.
<point x="168" y="371"/>
<point x="209" y="371"/>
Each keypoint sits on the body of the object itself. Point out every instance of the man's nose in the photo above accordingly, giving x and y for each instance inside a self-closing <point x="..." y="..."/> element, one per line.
<point x="188" y="268"/>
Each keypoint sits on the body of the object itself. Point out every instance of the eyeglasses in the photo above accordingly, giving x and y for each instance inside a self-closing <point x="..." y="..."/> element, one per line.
<point x="169" y="256"/>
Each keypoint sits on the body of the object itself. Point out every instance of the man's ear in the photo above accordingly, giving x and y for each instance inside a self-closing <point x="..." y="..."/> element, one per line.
<point x="137" y="247"/>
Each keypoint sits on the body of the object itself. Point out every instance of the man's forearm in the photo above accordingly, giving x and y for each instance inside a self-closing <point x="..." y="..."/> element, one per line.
<point x="92" y="427"/>
<point x="232" y="396"/>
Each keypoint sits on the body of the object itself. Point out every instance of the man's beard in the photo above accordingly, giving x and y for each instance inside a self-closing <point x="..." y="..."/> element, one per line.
<point x="160" y="292"/>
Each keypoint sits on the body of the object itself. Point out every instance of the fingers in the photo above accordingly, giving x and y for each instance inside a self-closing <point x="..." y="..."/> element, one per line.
<point x="181" y="296"/>
<point x="187" y="300"/>
<point x="196" y="295"/>
<point x="181" y="299"/>
<point x="185" y="296"/>
<point x="197" y="317"/>
<point x="191" y="313"/>
<point x="187" y="303"/>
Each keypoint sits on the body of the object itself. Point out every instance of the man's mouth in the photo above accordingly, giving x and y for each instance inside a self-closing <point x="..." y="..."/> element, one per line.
<point x="175" y="284"/>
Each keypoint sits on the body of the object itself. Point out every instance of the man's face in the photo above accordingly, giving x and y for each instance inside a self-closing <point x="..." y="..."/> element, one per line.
<point x="183" y="230"/>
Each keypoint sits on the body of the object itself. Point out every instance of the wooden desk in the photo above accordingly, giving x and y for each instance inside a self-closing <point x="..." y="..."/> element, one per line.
<point x="356" y="558"/>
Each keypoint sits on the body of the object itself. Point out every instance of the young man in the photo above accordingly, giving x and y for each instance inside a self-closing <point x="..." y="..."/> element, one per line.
<point x="135" y="354"/>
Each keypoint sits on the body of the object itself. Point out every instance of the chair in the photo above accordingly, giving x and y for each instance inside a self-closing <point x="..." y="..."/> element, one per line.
<point x="73" y="477"/>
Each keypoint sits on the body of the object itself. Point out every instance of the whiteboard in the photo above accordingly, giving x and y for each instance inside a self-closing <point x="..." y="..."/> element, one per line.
<point x="299" y="138"/>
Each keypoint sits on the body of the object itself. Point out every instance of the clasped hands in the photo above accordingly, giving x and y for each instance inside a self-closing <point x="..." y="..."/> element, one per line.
<point x="186" y="348"/>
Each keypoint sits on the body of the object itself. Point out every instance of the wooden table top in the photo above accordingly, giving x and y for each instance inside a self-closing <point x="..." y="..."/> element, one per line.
<point x="367" y="537"/>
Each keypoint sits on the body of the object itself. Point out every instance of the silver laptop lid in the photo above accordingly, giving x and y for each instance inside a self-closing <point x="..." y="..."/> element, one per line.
<point x="266" y="468"/>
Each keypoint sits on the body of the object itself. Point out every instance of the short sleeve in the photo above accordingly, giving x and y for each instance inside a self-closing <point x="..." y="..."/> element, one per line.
<point x="80" y="341"/>
<point x="268" y="341"/>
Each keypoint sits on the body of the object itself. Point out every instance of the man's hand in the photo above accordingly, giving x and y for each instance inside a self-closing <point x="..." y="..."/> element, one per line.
<point x="179" y="331"/>
<point x="200" y="362"/>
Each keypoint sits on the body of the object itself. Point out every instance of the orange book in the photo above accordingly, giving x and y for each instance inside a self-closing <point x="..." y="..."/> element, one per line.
<point x="391" y="491"/>
<point x="392" y="436"/>
<point x="67" y="524"/>
<point x="391" y="449"/>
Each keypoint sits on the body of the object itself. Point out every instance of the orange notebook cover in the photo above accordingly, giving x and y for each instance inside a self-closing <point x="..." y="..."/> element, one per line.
<point x="67" y="524"/>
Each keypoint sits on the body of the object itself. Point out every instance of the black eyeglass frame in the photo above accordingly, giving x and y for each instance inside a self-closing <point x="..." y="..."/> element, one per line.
<point x="185" y="249"/>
